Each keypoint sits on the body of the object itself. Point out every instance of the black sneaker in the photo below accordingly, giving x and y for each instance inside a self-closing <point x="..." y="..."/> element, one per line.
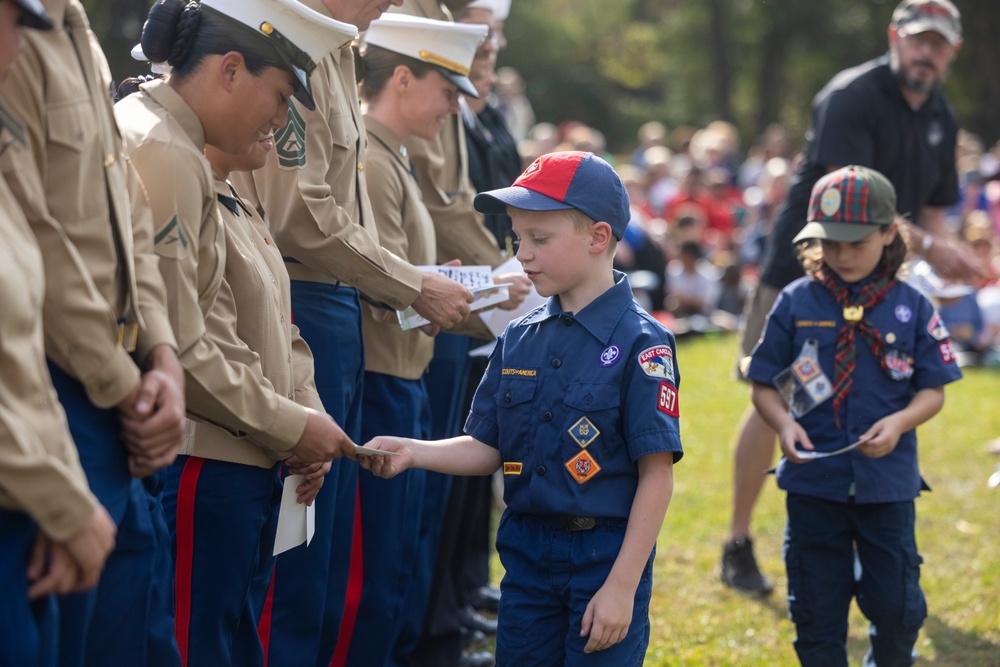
<point x="739" y="568"/>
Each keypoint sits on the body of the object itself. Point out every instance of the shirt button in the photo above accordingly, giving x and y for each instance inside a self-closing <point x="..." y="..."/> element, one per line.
<point x="556" y="363"/>
<point x="547" y="417"/>
<point x="507" y="397"/>
<point x="361" y="166"/>
<point x="109" y="160"/>
<point x="567" y="320"/>
<point x="540" y="471"/>
<point x="282" y="317"/>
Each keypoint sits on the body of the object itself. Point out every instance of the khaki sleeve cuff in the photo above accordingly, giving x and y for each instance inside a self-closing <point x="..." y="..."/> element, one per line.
<point x="157" y="332"/>
<point x="287" y="428"/>
<point x="109" y="382"/>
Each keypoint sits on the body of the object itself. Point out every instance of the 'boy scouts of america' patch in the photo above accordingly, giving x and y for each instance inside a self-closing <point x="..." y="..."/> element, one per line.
<point x="658" y="362"/>
<point x="582" y="467"/>
<point x="583" y="432"/>
<point x="170" y="241"/>
<point x="290" y="141"/>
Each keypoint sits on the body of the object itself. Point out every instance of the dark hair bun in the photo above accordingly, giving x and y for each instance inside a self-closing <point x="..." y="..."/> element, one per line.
<point x="169" y="31"/>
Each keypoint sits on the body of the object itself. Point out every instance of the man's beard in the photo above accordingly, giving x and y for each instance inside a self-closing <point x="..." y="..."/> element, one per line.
<point x="916" y="84"/>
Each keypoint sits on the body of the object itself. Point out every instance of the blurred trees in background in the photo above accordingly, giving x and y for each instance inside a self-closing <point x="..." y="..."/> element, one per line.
<point x="615" y="64"/>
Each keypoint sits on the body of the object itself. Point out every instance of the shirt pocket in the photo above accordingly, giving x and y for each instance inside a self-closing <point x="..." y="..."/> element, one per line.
<point x="514" y="399"/>
<point x="72" y="140"/>
<point x="344" y="136"/>
<point x="593" y="411"/>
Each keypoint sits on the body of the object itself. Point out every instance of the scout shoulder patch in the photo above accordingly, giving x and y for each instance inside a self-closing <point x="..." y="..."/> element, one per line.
<point x="936" y="328"/>
<point x="512" y="468"/>
<point x="947" y="352"/>
<point x="667" y="400"/>
<point x="582" y="467"/>
<point x="583" y="432"/>
<point x="170" y="240"/>
<point x="658" y="362"/>
<point x="290" y="140"/>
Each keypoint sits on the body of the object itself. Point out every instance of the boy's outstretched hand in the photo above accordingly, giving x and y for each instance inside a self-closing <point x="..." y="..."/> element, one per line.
<point x="607" y="617"/>
<point x="387" y="466"/>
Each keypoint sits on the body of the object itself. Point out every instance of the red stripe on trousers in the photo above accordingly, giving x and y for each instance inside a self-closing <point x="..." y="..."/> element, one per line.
<point x="355" y="578"/>
<point x="264" y="626"/>
<point x="186" y="491"/>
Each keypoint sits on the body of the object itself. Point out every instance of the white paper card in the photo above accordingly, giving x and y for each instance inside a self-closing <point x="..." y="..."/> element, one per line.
<point x="496" y="319"/>
<point x="477" y="279"/>
<point x="296" y="523"/>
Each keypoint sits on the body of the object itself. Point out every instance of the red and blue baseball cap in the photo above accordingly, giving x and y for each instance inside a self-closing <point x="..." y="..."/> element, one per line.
<point x="564" y="180"/>
<point x="849" y="204"/>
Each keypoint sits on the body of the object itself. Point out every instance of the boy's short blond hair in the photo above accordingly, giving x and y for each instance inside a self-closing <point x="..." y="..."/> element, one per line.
<point x="581" y="222"/>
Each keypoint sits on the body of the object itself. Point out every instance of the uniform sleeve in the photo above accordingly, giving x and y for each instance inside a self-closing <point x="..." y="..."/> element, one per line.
<point x="228" y="395"/>
<point x="152" y="292"/>
<point x="303" y="373"/>
<point x="316" y="229"/>
<point x="482" y="421"/>
<point x="53" y="491"/>
<point x="79" y="323"/>
<point x="774" y="351"/>
<point x="842" y="131"/>
<point x="448" y="195"/>
<point x="385" y="188"/>
<point x="934" y="360"/>
<point x="651" y="396"/>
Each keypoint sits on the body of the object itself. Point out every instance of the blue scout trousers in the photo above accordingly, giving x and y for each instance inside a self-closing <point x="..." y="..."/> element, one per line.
<point x="820" y="541"/>
<point x="310" y="595"/>
<point x="222" y="519"/>
<point x="550" y="576"/>
<point x="125" y="619"/>
<point x="390" y="521"/>
<point x="28" y="630"/>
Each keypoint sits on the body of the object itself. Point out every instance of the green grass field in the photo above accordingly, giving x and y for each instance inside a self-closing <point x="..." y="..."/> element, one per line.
<point x="697" y="621"/>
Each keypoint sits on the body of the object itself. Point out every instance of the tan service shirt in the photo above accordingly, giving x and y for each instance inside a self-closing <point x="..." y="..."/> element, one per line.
<point x="262" y="338"/>
<point x="166" y="142"/>
<point x="315" y="193"/>
<point x="406" y="229"/>
<point x="442" y="168"/>
<point x="40" y="472"/>
<point x="85" y="205"/>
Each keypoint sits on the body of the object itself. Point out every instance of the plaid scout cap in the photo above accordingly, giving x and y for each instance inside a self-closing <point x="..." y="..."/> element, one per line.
<point x="916" y="16"/>
<point x="849" y="204"/>
<point x="563" y="180"/>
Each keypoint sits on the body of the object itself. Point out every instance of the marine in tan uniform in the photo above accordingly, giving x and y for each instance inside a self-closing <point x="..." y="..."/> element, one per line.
<point x="107" y="337"/>
<point x="413" y="71"/>
<point x="55" y="533"/>
<point x="229" y="88"/>
<point x="314" y="192"/>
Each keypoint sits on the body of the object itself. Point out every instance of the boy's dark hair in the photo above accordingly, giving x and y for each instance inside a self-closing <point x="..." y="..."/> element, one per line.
<point x="692" y="249"/>
<point x="376" y="66"/>
<point x="810" y="254"/>
<point x="182" y="35"/>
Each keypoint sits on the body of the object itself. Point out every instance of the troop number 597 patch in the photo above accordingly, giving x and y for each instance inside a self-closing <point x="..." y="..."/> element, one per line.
<point x="667" y="400"/>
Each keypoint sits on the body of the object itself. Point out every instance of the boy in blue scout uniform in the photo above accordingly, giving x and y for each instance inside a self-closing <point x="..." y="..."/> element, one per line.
<point x="579" y="407"/>
<point x="859" y="357"/>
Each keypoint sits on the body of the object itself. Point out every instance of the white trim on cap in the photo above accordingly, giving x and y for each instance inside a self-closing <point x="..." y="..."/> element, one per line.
<point x="442" y="43"/>
<point x="307" y="29"/>
<point x="500" y="8"/>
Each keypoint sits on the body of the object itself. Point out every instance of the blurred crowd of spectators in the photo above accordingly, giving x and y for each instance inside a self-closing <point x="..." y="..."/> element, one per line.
<point x="702" y="209"/>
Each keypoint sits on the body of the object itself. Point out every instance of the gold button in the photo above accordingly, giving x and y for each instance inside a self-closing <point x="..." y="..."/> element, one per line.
<point x="108" y="161"/>
<point x="361" y="166"/>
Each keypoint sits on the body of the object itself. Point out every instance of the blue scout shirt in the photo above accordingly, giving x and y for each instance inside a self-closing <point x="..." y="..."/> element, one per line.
<point x="921" y="357"/>
<point x="573" y="400"/>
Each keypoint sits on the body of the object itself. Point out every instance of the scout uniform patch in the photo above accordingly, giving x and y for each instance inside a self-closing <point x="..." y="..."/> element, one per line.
<point x="658" y="362"/>
<point x="804" y="385"/>
<point x="667" y="401"/>
<point x="290" y="141"/>
<point x="610" y="356"/>
<point x="170" y="241"/>
<point x="582" y="467"/>
<point x="583" y="432"/>
<point x="512" y="468"/>
<point x="947" y="352"/>
<point x="936" y="328"/>
<point x="899" y="366"/>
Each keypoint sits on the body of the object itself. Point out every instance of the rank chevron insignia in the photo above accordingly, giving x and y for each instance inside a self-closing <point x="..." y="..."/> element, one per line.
<point x="291" y="140"/>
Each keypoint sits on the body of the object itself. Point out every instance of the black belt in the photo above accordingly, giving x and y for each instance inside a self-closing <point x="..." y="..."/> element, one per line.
<point x="571" y="524"/>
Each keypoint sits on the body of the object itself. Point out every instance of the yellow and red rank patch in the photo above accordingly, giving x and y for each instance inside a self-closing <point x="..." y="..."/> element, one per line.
<point x="582" y="467"/>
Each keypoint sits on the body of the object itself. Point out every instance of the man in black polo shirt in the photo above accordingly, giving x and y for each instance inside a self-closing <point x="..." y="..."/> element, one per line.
<point x="887" y="114"/>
